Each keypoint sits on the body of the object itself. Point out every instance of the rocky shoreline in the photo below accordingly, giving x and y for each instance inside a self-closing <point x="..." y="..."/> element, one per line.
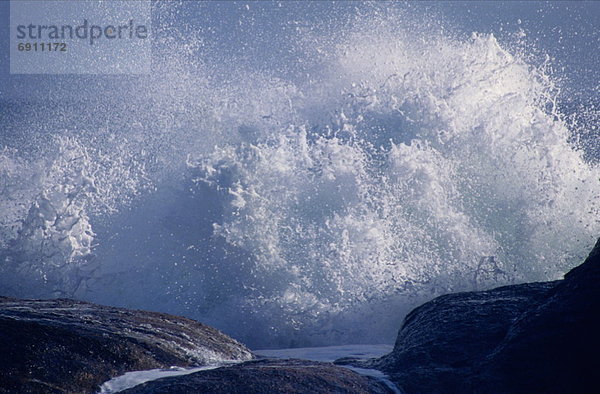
<point x="268" y="376"/>
<point x="70" y="346"/>
<point x="529" y="338"/>
<point x="533" y="337"/>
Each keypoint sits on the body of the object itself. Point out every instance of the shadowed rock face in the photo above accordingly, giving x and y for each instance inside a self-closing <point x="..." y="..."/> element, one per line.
<point x="553" y="347"/>
<point x="267" y="376"/>
<point x="535" y="337"/>
<point x="69" y="346"/>
<point x="443" y="338"/>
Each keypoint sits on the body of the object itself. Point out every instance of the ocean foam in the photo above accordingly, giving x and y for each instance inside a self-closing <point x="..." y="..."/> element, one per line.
<point x="304" y="209"/>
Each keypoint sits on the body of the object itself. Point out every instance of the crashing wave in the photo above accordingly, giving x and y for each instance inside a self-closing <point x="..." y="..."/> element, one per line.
<point x="407" y="164"/>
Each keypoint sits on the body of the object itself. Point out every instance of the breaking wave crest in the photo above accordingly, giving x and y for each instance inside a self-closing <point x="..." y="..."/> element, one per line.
<point x="291" y="211"/>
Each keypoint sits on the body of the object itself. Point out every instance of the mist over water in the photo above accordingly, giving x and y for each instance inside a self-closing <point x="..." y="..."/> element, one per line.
<point x="308" y="195"/>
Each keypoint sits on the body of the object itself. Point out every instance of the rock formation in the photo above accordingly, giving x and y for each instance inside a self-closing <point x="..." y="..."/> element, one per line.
<point x="533" y="337"/>
<point x="268" y="377"/>
<point x="69" y="346"/>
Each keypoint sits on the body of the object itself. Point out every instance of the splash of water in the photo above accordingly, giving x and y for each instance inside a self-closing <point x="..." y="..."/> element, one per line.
<point x="47" y="238"/>
<point x="407" y="165"/>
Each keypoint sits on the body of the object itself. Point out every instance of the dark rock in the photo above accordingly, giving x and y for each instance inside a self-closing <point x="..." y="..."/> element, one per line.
<point x="554" y="346"/>
<point x="440" y="340"/>
<point x="267" y="376"/>
<point x="535" y="337"/>
<point x="58" y="346"/>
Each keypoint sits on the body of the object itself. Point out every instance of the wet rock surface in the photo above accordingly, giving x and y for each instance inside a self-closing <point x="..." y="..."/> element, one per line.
<point x="267" y="376"/>
<point x="69" y="346"/>
<point x="553" y="347"/>
<point x="534" y="337"/>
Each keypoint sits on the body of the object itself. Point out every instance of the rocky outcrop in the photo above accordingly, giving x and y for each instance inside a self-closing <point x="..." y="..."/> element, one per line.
<point x="554" y="347"/>
<point x="443" y="338"/>
<point x="63" y="345"/>
<point x="267" y="376"/>
<point x="535" y="337"/>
